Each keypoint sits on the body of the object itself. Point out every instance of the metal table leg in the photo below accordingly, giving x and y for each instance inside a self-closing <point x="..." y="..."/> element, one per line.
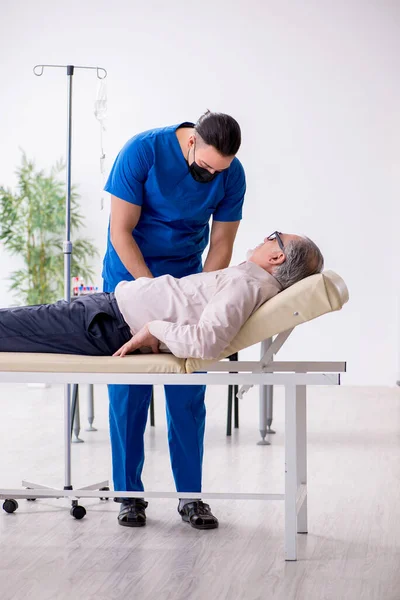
<point x="291" y="475"/>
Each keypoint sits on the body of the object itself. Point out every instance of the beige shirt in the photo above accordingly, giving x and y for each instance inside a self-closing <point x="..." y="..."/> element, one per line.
<point x="199" y="315"/>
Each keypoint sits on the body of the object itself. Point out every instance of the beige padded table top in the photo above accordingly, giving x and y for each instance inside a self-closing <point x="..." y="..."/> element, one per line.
<point x="68" y="363"/>
<point x="304" y="301"/>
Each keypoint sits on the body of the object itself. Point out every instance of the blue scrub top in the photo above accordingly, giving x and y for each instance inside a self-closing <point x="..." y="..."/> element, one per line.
<point x="173" y="229"/>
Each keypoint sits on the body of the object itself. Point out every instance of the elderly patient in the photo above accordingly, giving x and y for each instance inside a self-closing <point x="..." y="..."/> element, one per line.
<point x="196" y="316"/>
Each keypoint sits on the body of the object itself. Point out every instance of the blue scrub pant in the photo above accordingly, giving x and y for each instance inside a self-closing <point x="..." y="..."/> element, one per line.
<point x="186" y="414"/>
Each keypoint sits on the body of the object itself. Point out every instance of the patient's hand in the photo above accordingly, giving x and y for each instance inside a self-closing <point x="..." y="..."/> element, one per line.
<point x="141" y="338"/>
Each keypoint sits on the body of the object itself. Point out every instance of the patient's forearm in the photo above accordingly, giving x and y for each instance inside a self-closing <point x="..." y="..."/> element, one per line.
<point x="130" y="255"/>
<point x="184" y="341"/>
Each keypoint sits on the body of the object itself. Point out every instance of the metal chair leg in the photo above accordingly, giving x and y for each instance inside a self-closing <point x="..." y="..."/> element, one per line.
<point x="90" y="408"/>
<point x="229" y="412"/>
<point x="152" y="421"/>
<point x="74" y="398"/>
<point x="232" y="396"/>
<point x="235" y="393"/>
<point x="75" y="414"/>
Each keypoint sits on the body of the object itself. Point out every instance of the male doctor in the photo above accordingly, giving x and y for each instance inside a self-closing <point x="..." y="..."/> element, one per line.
<point x="165" y="186"/>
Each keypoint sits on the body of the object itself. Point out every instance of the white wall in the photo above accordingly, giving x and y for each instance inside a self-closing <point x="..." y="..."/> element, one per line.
<point x="315" y="87"/>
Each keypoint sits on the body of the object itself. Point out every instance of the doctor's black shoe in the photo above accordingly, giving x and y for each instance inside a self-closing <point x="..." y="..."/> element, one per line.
<point x="199" y="515"/>
<point x="133" y="512"/>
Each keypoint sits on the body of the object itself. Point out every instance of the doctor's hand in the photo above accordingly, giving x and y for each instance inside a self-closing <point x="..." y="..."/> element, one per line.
<point x="141" y="338"/>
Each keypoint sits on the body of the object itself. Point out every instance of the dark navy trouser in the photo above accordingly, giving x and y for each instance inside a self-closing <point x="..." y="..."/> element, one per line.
<point x="91" y="325"/>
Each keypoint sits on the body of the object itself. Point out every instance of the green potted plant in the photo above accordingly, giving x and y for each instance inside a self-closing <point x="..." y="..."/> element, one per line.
<point x="32" y="226"/>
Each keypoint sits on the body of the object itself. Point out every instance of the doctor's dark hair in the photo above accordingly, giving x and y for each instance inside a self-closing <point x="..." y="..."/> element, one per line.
<point x="220" y="131"/>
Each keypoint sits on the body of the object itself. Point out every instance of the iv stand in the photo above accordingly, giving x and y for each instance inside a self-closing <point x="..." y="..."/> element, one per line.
<point x="76" y="511"/>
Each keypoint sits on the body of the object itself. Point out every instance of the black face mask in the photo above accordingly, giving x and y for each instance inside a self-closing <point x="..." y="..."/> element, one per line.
<point x="199" y="173"/>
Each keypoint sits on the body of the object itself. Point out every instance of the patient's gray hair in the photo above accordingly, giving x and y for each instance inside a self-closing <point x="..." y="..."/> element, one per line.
<point x="303" y="258"/>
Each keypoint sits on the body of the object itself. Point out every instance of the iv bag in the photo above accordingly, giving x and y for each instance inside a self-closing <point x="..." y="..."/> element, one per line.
<point x="100" y="106"/>
<point x="100" y="112"/>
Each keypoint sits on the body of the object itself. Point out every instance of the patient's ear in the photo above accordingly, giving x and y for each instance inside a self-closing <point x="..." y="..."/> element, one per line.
<point x="276" y="259"/>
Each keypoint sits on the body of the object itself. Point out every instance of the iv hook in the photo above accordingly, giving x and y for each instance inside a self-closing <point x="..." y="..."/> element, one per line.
<point x="100" y="72"/>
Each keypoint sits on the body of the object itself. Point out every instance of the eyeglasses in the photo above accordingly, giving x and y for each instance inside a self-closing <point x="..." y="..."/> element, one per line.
<point x="277" y="236"/>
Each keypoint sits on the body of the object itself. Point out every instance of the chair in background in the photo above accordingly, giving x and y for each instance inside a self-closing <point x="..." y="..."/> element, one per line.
<point x="233" y="401"/>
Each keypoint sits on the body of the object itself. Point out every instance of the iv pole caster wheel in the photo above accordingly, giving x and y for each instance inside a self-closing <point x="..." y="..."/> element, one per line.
<point x="78" y="512"/>
<point x="10" y="505"/>
<point x="104" y="489"/>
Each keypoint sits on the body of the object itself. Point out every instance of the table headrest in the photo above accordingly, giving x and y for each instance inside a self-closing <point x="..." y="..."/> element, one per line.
<point x="306" y="300"/>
